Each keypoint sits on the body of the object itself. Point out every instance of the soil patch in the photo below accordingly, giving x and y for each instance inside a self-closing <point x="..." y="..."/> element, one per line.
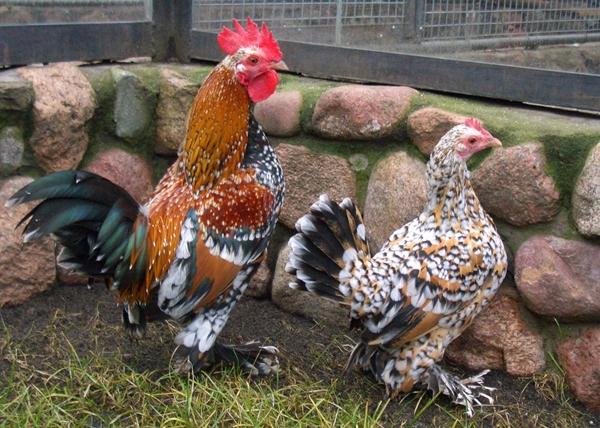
<point x="90" y="319"/>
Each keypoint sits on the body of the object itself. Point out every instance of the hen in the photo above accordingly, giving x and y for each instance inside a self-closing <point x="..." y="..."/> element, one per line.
<point x="427" y="283"/>
<point x="189" y="253"/>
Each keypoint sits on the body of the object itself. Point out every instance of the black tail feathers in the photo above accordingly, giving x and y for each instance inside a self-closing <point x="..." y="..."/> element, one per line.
<point x="329" y="237"/>
<point x="89" y="215"/>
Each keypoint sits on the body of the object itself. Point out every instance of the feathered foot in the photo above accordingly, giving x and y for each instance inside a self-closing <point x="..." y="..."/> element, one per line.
<point x="467" y="392"/>
<point x="134" y="321"/>
<point x="253" y="358"/>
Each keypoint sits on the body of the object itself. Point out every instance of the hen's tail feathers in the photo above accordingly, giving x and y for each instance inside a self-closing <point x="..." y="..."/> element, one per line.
<point x="90" y="216"/>
<point x="330" y="237"/>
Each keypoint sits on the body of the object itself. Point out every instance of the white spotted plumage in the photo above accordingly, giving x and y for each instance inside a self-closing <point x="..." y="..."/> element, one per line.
<point x="425" y="285"/>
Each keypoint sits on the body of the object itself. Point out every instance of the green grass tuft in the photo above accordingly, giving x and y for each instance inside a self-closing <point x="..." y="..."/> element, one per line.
<point x="100" y="390"/>
<point x="68" y="370"/>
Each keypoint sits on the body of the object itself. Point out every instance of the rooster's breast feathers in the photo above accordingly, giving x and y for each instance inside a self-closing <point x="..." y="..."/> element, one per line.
<point x="199" y="242"/>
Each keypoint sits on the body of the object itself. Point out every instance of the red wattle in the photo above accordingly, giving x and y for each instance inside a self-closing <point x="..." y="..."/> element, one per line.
<point x="262" y="87"/>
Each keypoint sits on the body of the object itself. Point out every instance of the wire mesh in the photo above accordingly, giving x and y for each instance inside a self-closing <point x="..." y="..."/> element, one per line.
<point x="428" y="20"/>
<point x="452" y="20"/>
<point x="212" y="15"/>
<point x="69" y="2"/>
<point x="21" y="12"/>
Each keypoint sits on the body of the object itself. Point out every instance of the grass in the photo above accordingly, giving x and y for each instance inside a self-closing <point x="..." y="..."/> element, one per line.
<point x="100" y="390"/>
<point x="63" y="383"/>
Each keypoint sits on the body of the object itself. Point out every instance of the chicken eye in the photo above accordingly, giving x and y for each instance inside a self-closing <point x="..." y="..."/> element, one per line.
<point x="253" y="60"/>
<point x="472" y="140"/>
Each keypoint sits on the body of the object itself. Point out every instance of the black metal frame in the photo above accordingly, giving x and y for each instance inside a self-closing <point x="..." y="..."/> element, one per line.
<point x="26" y="44"/>
<point x="169" y="35"/>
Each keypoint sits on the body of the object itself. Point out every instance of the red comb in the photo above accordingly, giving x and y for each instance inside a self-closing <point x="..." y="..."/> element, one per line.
<point x="230" y="41"/>
<point x="476" y="124"/>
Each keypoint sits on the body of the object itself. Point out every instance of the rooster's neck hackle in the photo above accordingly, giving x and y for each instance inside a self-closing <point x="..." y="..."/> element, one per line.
<point x="217" y="133"/>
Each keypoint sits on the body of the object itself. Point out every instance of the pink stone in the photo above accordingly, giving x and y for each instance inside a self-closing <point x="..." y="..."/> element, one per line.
<point x="174" y="102"/>
<point x="512" y="185"/>
<point x="308" y="175"/>
<point x="279" y="114"/>
<point x="428" y="125"/>
<point x="27" y="269"/>
<point x="579" y="357"/>
<point x="559" y="278"/>
<point x="500" y="339"/>
<point x="396" y="194"/>
<point x="125" y="169"/>
<point x="359" y="112"/>
<point x="64" y="102"/>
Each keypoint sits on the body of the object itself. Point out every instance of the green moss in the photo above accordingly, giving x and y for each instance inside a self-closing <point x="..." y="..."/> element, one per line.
<point x="511" y="124"/>
<point x="104" y="88"/>
<point x="102" y="83"/>
<point x="100" y="142"/>
<point x="160" y="164"/>
<point x="566" y="156"/>
<point x="195" y="74"/>
<point x="149" y="75"/>
<point x="11" y="118"/>
<point x="101" y="128"/>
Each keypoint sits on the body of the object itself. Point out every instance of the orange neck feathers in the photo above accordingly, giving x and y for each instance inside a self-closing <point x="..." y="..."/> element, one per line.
<point x="217" y="132"/>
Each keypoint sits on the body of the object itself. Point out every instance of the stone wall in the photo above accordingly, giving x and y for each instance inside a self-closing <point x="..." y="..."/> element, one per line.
<point x="367" y="142"/>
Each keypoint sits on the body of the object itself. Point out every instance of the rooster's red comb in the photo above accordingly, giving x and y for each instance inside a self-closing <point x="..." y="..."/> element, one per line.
<point x="476" y="124"/>
<point x="231" y="41"/>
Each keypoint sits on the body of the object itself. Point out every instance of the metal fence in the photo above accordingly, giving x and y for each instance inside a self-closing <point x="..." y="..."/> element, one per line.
<point x="454" y="20"/>
<point x="26" y="12"/>
<point x="90" y="3"/>
<point x="429" y="20"/>
<point x="368" y="40"/>
<point x="211" y="15"/>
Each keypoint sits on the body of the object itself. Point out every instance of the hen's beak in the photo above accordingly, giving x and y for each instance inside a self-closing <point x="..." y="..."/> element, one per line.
<point x="494" y="142"/>
<point x="280" y="66"/>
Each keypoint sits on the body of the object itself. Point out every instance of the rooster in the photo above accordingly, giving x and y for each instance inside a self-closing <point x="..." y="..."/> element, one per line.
<point x="189" y="253"/>
<point x="424" y="287"/>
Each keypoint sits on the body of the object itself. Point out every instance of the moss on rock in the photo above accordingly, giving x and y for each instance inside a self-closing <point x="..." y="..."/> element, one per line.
<point x="565" y="158"/>
<point x="512" y="124"/>
<point x="160" y="164"/>
<point x="104" y="88"/>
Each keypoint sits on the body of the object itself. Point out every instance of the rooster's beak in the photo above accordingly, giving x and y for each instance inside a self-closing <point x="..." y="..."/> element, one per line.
<point x="494" y="142"/>
<point x="280" y="66"/>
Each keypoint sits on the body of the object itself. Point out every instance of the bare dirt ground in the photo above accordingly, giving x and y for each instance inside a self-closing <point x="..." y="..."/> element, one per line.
<point x="88" y="317"/>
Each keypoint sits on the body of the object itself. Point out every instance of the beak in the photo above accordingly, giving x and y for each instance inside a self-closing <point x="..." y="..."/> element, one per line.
<point x="280" y="66"/>
<point x="494" y="142"/>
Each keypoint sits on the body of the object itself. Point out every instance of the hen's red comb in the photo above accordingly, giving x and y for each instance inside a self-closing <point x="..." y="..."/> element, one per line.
<point x="231" y="41"/>
<point x="476" y="124"/>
